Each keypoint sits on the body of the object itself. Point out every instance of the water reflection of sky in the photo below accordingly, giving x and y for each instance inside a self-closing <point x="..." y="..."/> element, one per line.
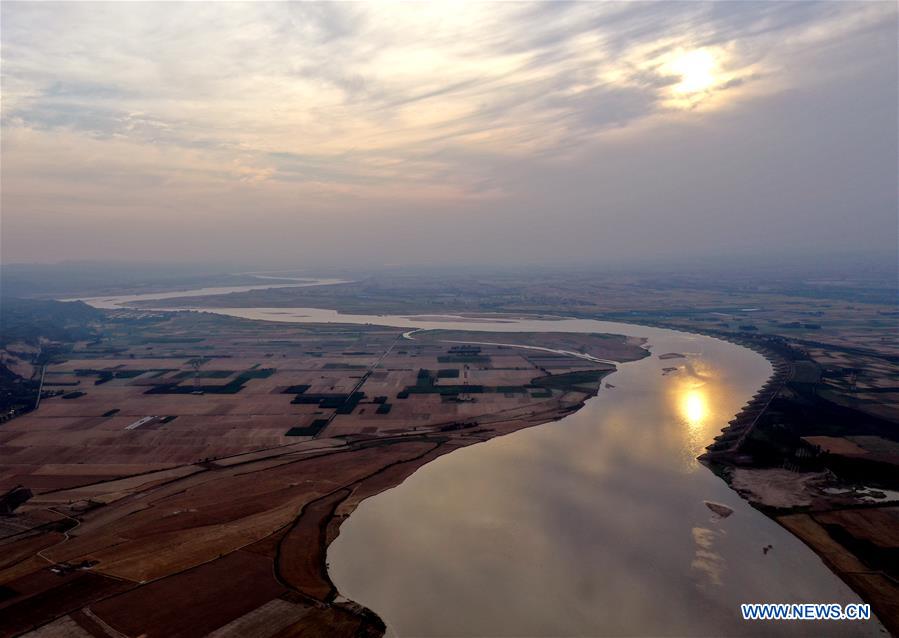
<point x="593" y="525"/>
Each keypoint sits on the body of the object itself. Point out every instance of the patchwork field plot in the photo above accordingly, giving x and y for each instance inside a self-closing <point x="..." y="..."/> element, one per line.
<point x="192" y="475"/>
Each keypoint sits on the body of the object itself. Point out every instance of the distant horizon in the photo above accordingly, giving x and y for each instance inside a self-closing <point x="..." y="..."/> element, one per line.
<point x="793" y="264"/>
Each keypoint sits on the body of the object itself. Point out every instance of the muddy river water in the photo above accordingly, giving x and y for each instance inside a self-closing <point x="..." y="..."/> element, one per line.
<point x="593" y="525"/>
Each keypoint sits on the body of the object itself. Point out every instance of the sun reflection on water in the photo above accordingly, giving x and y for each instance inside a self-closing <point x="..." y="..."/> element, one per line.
<point x="695" y="407"/>
<point x="693" y="398"/>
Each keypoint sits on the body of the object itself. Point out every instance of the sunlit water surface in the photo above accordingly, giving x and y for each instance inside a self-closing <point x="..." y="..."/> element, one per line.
<point x="594" y="525"/>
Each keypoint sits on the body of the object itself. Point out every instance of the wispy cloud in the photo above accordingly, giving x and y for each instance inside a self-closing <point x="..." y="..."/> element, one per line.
<point x="369" y="100"/>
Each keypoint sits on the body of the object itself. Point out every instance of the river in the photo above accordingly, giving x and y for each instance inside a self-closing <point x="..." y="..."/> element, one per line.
<point x="113" y="302"/>
<point x="594" y="525"/>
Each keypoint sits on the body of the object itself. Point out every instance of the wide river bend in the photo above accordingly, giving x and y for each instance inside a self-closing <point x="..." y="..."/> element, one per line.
<point x="594" y="525"/>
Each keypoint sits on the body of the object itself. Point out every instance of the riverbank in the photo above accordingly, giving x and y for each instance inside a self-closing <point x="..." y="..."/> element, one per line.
<point x="245" y="464"/>
<point x="768" y="455"/>
<point x="538" y="539"/>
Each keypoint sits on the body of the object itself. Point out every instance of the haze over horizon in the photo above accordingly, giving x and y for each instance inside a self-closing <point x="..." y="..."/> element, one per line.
<point x="345" y="133"/>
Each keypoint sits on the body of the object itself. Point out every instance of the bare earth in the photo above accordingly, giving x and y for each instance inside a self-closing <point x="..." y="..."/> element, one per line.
<point x="194" y="486"/>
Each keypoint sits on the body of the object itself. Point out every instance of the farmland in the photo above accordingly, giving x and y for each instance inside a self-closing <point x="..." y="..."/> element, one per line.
<point x="834" y="418"/>
<point x="196" y="447"/>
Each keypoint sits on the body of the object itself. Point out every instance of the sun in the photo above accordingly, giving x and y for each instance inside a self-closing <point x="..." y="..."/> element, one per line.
<point x="698" y="70"/>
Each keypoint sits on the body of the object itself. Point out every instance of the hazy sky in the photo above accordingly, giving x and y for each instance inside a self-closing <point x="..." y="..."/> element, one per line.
<point x="408" y="133"/>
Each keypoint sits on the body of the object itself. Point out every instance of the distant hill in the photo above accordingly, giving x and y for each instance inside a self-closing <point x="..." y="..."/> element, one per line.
<point x="77" y="278"/>
<point x="27" y="320"/>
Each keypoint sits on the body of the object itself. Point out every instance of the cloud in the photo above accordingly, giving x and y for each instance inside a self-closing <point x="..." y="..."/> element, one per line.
<point x="333" y="104"/>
